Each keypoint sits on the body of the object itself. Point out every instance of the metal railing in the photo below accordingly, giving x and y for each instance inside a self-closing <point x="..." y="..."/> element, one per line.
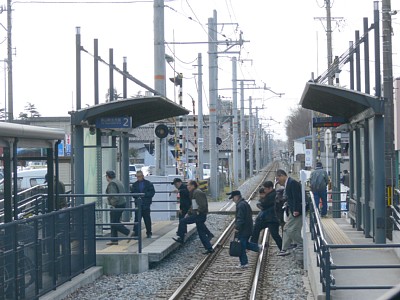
<point x="326" y="262"/>
<point x="42" y="252"/>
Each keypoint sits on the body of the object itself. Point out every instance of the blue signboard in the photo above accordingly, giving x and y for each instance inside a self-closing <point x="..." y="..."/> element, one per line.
<point x="61" y="149"/>
<point x="114" y="122"/>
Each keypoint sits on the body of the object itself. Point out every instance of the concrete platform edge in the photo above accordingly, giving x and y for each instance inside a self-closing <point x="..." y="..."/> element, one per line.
<point x="69" y="287"/>
<point x="313" y="270"/>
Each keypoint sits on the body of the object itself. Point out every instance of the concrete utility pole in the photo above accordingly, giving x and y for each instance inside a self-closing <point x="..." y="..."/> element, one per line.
<point x="10" y="64"/>
<point x="159" y="79"/>
<point x="258" y="154"/>
<point x="200" y="118"/>
<point x="242" y="135"/>
<point x="213" y="91"/>
<point x="251" y="157"/>
<point x="329" y="36"/>
<point x="387" y="72"/>
<point x="235" y="124"/>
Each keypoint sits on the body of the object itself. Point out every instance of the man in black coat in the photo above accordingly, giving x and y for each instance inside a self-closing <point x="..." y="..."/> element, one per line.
<point x="183" y="195"/>
<point x="147" y="188"/>
<point x="267" y="217"/>
<point x="243" y="227"/>
<point x="294" y="223"/>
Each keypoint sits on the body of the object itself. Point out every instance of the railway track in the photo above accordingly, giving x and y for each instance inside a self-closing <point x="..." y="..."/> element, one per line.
<point x="218" y="276"/>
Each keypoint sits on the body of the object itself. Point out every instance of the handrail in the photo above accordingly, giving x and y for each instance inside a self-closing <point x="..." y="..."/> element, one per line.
<point x="325" y="259"/>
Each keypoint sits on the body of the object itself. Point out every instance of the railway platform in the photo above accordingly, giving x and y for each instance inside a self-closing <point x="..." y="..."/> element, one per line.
<point x="339" y="231"/>
<point x="123" y="258"/>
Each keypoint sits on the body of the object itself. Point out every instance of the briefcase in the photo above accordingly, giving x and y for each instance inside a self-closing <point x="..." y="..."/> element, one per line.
<point x="235" y="248"/>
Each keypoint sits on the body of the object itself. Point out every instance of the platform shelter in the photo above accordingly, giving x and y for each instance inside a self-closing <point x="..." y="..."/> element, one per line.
<point x="364" y="115"/>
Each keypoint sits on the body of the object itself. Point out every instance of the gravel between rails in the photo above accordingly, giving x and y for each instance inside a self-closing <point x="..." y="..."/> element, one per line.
<point x="161" y="280"/>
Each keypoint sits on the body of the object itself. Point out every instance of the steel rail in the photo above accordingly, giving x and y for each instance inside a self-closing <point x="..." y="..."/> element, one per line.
<point x="218" y="246"/>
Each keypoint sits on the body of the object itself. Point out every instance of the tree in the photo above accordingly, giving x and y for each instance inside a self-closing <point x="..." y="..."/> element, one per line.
<point x="298" y="124"/>
<point x="30" y="111"/>
<point x="115" y="95"/>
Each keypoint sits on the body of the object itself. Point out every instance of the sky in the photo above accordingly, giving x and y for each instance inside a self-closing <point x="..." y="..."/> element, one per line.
<point x="285" y="43"/>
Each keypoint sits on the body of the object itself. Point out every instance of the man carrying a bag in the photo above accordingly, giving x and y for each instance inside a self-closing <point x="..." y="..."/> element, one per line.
<point x="115" y="187"/>
<point x="243" y="227"/>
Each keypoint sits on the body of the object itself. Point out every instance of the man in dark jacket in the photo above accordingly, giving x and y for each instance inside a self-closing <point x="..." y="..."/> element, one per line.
<point x="243" y="227"/>
<point x="147" y="188"/>
<point x="267" y="217"/>
<point x="196" y="214"/>
<point x="115" y="187"/>
<point x="183" y="195"/>
<point x="319" y="180"/>
<point x="294" y="223"/>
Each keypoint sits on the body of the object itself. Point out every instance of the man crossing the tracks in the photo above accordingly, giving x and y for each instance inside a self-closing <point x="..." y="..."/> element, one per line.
<point x="184" y="198"/>
<point x="243" y="227"/>
<point x="267" y="217"/>
<point x="196" y="214"/>
<point x="294" y="222"/>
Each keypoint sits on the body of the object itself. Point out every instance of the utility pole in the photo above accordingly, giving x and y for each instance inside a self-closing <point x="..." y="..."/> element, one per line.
<point x="160" y="145"/>
<point x="200" y="116"/>
<point x="10" y="64"/>
<point x="258" y="154"/>
<point x="387" y="73"/>
<point x="235" y="124"/>
<point x="242" y="135"/>
<point x="329" y="36"/>
<point x="213" y="91"/>
<point x="251" y="157"/>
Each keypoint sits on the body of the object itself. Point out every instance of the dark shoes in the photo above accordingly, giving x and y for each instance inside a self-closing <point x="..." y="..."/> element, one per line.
<point x="209" y="251"/>
<point x="111" y="243"/>
<point x="179" y="240"/>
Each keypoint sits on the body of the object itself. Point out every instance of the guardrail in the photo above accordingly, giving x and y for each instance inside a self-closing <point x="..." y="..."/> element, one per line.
<point x="326" y="262"/>
<point x="42" y="252"/>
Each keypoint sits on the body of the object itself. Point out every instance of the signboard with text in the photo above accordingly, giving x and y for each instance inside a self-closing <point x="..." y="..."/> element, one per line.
<point x="114" y="122"/>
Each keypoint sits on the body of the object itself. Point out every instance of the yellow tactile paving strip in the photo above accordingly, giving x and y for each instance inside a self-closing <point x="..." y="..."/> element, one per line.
<point x="123" y="245"/>
<point x="335" y="233"/>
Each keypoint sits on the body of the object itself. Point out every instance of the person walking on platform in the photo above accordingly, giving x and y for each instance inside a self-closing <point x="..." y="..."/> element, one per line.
<point x="115" y="187"/>
<point x="267" y="217"/>
<point x="144" y="186"/>
<point x="196" y="214"/>
<point x="294" y="222"/>
<point x="183" y="195"/>
<point x="319" y="181"/>
<point x="243" y="227"/>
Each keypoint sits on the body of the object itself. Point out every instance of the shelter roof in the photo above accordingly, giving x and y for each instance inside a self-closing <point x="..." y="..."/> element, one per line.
<point x="339" y="102"/>
<point x="142" y="110"/>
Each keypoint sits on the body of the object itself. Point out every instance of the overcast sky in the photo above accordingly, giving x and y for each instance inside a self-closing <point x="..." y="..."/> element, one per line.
<point x="286" y="43"/>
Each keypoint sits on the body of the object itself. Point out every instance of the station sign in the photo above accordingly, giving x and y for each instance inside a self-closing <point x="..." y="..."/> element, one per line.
<point x="328" y="122"/>
<point x="114" y="122"/>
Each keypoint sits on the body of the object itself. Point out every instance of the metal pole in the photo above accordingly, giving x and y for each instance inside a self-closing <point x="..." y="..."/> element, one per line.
<point x="235" y="124"/>
<point x="366" y="56"/>
<point x="96" y="71"/>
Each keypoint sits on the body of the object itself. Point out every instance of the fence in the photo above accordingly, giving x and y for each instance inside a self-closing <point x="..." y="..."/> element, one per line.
<point x="326" y="262"/>
<point x="40" y="253"/>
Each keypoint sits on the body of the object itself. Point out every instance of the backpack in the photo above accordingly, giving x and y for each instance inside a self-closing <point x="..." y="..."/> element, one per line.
<point x="318" y="180"/>
<point x="279" y="203"/>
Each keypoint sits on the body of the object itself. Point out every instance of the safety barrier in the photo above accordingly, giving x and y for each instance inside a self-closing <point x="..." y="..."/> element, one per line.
<point x="42" y="252"/>
<point x="326" y="262"/>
